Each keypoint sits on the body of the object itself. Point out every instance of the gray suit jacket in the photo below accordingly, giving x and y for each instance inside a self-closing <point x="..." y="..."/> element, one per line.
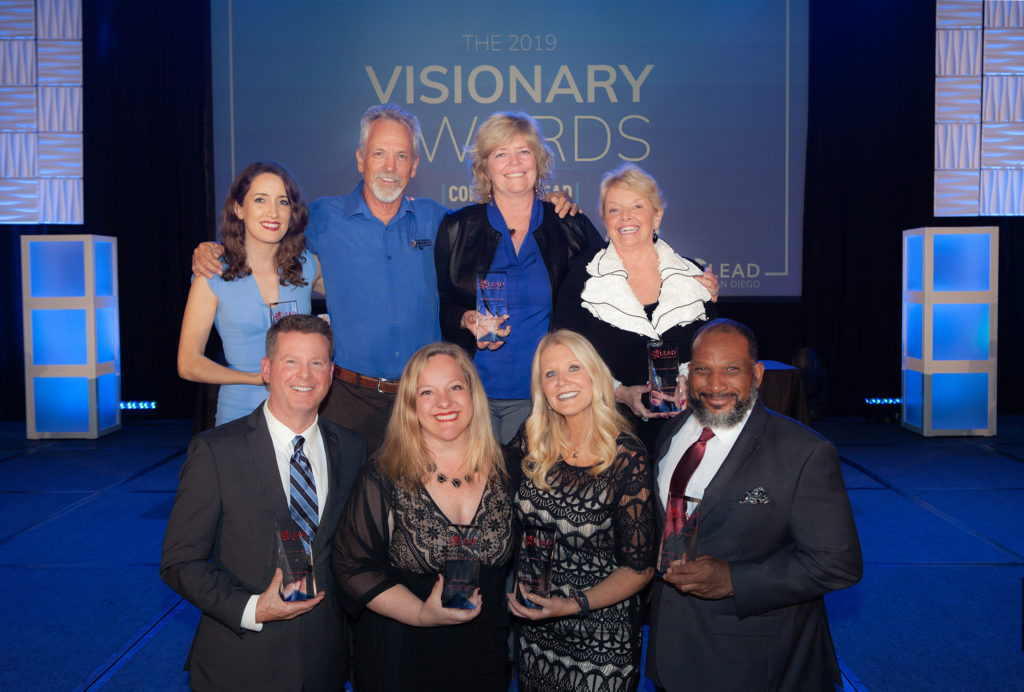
<point x="220" y="549"/>
<point x="783" y="556"/>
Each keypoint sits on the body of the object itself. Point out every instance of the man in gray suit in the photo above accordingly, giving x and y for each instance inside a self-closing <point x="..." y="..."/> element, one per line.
<point x="278" y="469"/>
<point x="775" y="534"/>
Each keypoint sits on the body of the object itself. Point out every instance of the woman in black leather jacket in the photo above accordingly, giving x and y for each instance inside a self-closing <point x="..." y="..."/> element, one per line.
<point x="512" y="230"/>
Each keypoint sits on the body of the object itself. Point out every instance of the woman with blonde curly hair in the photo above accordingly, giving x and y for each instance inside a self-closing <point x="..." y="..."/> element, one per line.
<point x="586" y="477"/>
<point x="438" y="478"/>
<point x="513" y="230"/>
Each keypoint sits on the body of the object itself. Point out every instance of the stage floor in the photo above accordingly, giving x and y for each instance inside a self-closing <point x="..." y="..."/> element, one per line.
<point x="941" y="522"/>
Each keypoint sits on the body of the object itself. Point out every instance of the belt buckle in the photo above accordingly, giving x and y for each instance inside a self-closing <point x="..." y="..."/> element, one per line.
<point x="380" y="382"/>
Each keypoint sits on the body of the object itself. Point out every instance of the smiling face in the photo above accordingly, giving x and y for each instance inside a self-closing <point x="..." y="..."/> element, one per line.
<point x="444" y="407"/>
<point x="299" y="376"/>
<point x="512" y="168"/>
<point x="389" y="161"/>
<point x="629" y="217"/>
<point x="565" y="381"/>
<point x="723" y="379"/>
<point x="266" y="212"/>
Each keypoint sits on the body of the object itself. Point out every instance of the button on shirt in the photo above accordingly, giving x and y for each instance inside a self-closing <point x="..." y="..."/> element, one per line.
<point x="717" y="449"/>
<point x="281" y="435"/>
<point x="505" y="372"/>
<point x="379" y="279"/>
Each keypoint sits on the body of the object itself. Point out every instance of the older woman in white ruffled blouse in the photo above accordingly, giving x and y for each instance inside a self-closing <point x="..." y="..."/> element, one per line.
<point x="635" y="290"/>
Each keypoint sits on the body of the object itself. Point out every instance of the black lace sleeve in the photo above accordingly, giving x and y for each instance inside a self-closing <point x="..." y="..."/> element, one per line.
<point x="635" y="537"/>
<point x="360" y="557"/>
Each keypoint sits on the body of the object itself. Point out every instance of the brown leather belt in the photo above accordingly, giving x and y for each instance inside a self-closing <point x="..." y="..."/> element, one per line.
<point x="378" y="383"/>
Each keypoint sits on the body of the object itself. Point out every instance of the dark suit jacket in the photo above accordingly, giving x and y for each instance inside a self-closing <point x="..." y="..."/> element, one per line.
<point x="220" y="549"/>
<point x="783" y="557"/>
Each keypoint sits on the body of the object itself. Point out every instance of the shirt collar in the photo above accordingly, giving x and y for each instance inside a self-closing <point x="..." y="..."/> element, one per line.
<point x="355" y="205"/>
<point x="282" y="435"/>
<point x="726" y="436"/>
<point x="497" y="221"/>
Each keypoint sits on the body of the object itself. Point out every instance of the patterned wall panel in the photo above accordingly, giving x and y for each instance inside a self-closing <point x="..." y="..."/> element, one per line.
<point x="17" y="62"/>
<point x="18" y="155"/>
<point x="60" y="109"/>
<point x="958" y="145"/>
<point x="17" y="19"/>
<point x="956" y="99"/>
<point x="41" y="111"/>
<point x="1004" y="100"/>
<point x="19" y="200"/>
<point x="979" y="107"/>
<point x="60" y="19"/>
<point x="60" y="200"/>
<point x="1002" y="192"/>
<point x="1004" y="13"/>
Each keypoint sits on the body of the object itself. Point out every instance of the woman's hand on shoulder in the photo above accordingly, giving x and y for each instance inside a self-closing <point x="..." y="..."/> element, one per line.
<point x="553" y="607"/>
<point x="563" y="203"/>
<point x="709" y="281"/>
<point x="433" y="614"/>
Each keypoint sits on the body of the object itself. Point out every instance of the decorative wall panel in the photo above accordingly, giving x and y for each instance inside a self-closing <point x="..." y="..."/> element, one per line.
<point x="41" y="111"/>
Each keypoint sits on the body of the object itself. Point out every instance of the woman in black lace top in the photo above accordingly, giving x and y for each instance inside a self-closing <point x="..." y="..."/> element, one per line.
<point x="586" y="477"/>
<point x="440" y="465"/>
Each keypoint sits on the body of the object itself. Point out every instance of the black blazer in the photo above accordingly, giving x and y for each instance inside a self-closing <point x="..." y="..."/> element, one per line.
<point x="783" y="556"/>
<point x="220" y="549"/>
<point x="466" y="244"/>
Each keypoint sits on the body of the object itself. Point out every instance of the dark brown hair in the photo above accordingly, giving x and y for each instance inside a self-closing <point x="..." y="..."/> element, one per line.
<point x="232" y="229"/>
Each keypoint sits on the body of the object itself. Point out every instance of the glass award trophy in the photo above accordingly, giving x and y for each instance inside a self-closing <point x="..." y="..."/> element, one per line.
<point x="461" y="567"/>
<point x="663" y="361"/>
<point x="282" y="309"/>
<point x="491" y="303"/>
<point x="295" y="558"/>
<point x="533" y="570"/>
<point x="679" y="539"/>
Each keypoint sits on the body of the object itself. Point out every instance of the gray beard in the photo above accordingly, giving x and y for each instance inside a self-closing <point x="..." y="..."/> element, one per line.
<point x="385" y="195"/>
<point x="722" y="421"/>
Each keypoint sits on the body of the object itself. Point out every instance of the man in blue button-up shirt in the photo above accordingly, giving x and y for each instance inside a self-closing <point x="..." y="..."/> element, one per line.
<point x="376" y="254"/>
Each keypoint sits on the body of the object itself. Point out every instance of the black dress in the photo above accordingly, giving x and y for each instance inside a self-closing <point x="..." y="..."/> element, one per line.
<point x="392" y="656"/>
<point x="601" y="523"/>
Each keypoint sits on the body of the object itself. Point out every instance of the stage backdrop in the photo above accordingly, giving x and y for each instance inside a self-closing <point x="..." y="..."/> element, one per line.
<point x="709" y="97"/>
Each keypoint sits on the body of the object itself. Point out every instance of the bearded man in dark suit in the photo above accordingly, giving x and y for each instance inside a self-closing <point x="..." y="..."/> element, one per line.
<point x="240" y="488"/>
<point x="775" y="534"/>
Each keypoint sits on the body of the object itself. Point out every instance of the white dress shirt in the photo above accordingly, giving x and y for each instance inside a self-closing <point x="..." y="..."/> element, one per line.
<point x="313" y="447"/>
<point x="717" y="449"/>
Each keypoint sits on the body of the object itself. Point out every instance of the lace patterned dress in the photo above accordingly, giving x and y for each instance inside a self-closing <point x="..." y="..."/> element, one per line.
<point x="601" y="524"/>
<point x="390" y="536"/>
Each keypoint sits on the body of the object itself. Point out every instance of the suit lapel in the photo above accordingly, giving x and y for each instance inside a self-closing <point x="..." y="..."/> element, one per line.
<point x="740" y="456"/>
<point x="332" y="453"/>
<point x="264" y="460"/>
<point x="663" y="443"/>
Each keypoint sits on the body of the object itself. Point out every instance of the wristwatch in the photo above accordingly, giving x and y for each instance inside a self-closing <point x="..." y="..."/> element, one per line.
<point x="581" y="599"/>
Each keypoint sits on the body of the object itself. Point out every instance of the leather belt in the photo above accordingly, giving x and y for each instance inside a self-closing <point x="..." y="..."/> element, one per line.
<point x="379" y="383"/>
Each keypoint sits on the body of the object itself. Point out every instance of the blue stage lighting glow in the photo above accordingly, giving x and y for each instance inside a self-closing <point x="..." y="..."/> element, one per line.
<point x="883" y="401"/>
<point x="138" y="406"/>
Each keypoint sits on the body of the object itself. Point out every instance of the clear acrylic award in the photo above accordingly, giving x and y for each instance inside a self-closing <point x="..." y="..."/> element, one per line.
<point x="663" y="361"/>
<point x="533" y="570"/>
<point x="295" y="558"/>
<point x="461" y="567"/>
<point x="679" y="539"/>
<point x="491" y="303"/>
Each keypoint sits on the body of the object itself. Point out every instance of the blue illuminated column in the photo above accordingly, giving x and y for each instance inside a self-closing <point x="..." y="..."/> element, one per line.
<point x="72" y="339"/>
<point x="950" y="317"/>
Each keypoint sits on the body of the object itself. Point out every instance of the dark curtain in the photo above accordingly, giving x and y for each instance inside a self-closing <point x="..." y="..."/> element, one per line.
<point x="148" y="182"/>
<point x="869" y="177"/>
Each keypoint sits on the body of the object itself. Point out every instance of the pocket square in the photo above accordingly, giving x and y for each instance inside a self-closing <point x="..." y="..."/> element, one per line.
<point x="757" y="496"/>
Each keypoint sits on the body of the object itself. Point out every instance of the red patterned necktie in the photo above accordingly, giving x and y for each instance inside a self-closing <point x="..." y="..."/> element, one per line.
<point x="688" y="464"/>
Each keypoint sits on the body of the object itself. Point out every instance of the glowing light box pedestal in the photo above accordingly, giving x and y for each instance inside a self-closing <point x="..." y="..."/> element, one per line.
<point x="72" y="339"/>
<point x="950" y="318"/>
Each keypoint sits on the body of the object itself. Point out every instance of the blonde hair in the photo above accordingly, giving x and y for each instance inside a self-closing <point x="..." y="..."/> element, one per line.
<point x="404" y="458"/>
<point x="497" y="131"/>
<point x="635" y="179"/>
<point x="546" y="432"/>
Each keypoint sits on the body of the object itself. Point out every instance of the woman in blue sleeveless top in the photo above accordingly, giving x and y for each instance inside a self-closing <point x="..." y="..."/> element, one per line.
<point x="265" y="264"/>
